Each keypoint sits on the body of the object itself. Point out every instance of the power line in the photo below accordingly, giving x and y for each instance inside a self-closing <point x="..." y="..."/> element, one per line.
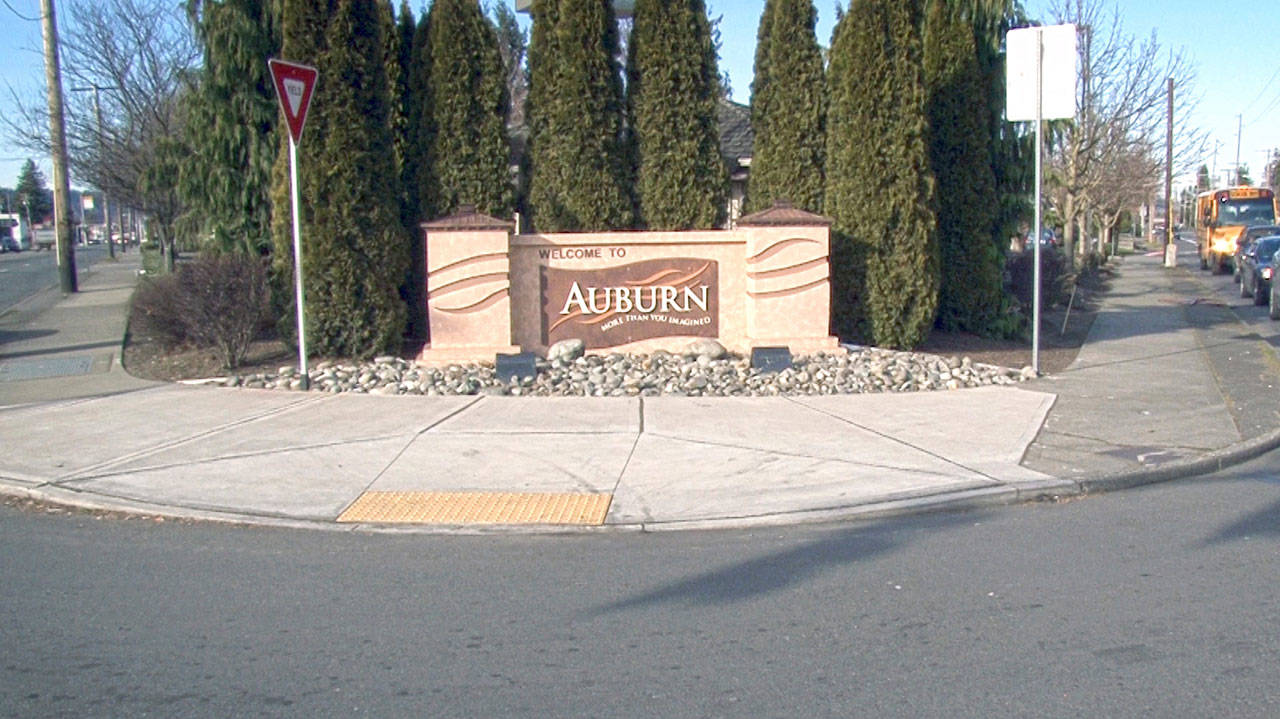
<point x="15" y="12"/>
<point x="1265" y="86"/>
<point x="1266" y="110"/>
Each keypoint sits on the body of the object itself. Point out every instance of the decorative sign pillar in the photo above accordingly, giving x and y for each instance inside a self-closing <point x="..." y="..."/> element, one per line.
<point x="788" y="279"/>
<point x="468" y="288"/>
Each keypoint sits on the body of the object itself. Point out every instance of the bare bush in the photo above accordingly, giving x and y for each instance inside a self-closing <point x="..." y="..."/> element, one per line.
<point x="217" y="302"/>
<point x="157" y="314"/>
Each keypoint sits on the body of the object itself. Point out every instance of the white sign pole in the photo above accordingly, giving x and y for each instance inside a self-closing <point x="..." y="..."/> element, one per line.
<point x="294" y="84"/>
<point x="297" y="265"/>
<point x="1035" y="284"/>
<point x="1033" y="97"/>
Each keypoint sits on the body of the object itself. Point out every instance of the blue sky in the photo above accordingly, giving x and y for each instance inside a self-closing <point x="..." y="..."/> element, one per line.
<point x="1232" y="46"/>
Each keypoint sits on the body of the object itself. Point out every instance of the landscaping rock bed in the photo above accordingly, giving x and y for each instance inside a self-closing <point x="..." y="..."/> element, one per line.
<point x="710" y="372"/>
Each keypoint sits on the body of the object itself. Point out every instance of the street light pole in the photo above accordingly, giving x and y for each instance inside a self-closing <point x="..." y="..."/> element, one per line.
<point x="106" y="203"/>
<point x="31" y="230"/>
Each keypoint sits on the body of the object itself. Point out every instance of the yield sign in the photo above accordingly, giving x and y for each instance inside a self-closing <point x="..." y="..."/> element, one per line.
<point x="294" y="84"/>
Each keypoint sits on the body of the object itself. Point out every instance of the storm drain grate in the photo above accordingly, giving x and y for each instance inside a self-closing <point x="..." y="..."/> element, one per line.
<point x="478" y="508"/>
<point x="41" y="368"/>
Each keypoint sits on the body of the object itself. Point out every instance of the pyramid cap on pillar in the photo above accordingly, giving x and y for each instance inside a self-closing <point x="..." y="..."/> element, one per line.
<point x="783" y="214"/>
<point x="468" y="218"/>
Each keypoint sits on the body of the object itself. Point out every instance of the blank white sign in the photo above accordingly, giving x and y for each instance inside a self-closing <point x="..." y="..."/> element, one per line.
<point x="1058" y="73"/>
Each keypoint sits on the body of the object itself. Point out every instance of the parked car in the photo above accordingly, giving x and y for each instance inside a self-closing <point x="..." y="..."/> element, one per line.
<point x="1257" y="266"/>
<point x="1247" y="238"/>
<point x="8" y="244"/>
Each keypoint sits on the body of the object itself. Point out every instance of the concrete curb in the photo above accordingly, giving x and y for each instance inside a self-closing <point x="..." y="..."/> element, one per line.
<point x="1207" y="463"/>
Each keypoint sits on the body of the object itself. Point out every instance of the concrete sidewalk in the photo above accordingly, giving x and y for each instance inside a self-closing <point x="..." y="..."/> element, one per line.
<point x="1144" y="401"/>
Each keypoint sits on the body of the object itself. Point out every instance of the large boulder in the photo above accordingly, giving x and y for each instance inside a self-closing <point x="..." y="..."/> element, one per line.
<point x="566" y="350"/>
<point x="706" y="347"/>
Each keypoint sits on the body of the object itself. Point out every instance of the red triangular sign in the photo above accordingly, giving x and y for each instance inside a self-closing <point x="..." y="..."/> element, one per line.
<point x="294" y="85"/>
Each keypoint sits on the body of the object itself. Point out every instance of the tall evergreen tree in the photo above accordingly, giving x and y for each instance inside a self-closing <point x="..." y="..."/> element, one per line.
<point x="673" y="86"/>
<point x="468" y="83"/>
<point x="879" y="190"/>
<point x="400" y="79"/>
<point x="423" y="188"/>
<point x="357" y="253"/>
<point x="579" y="179"/>
<point x="395" y="58"/>
<point x="32" y="193"/>
<point x="788" y="109"/>
<point x="226" y="181"/>
<point x="1011" y="149"/>
<point x="961" y="156"/>
<point x="302" y="39"/>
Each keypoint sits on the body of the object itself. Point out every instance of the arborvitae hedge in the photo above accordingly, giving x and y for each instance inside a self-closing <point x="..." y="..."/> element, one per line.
<point x="398" y="34"/>
<point x="674" y="86"/>
<point x="356" y="250"/>
<point x="788" y="109"/>
<point x="397" y="46"/>
<point x="424" y="189"/>
<point x="579" y="177"/>
<point x="226" y="182"/>
<point x="879" y="189"/>
<point x="960" y="153"/>
<point x="471" y="151"/>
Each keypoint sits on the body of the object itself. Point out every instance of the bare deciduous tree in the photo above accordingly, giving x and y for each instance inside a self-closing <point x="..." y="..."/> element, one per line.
<point x="138" y="55"/>
<point x="1120" y="118"/>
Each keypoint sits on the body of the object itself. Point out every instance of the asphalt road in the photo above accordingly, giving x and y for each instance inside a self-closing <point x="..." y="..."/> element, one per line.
<point x="23" y="274"/>
<point x="1238" y="338"/>
<point x="1153" y="602"/>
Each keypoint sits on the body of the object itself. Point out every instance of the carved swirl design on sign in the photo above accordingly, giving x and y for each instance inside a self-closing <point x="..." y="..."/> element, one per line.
<point x="787" y="267"/>
<point x="471" y="284"/>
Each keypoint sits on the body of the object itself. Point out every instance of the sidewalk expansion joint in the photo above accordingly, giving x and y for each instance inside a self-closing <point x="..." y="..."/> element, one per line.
<point x="93" y="470"/>
<point x="896" y="440"/>
<point x="982" y="476"/>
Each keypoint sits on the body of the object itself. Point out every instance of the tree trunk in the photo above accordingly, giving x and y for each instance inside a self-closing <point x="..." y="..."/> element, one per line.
<point x="1069" y="229"/>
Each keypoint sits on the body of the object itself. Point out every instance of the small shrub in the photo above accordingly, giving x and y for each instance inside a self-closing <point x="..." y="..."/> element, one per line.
<point x="157" y="312"/>
<point x="1093" y="260"/>
<point x="152" y="259"/>
<point x="1021" y="279"/>
<point x="217" y="302"/>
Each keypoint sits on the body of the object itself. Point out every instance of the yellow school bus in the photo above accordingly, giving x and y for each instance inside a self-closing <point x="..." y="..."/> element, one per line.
<point x="1221" y="218"/>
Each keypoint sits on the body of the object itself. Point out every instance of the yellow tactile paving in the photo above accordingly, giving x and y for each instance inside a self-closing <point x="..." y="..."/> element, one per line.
<point x="478" y="508"/>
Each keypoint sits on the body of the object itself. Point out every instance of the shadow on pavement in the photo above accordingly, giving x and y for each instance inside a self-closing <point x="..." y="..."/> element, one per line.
<point x="774" y="572"/>
<point x="1261" y="523"/>
<point x="7" y="336"/>
<point x="57" y="350"/>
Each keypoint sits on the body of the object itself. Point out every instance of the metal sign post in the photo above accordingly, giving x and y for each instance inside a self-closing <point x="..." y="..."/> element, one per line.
<point x="1035" y="285"/>
<point x="1041" y="85"/>
<point x="294" y="85"/>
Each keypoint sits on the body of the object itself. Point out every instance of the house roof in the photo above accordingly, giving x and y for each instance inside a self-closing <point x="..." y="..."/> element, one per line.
<point x="736" y="137"/>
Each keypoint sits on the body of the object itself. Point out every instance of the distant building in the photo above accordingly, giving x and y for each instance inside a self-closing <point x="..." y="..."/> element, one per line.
<point x="736" y="142"/>
<point x="623" y="8"/>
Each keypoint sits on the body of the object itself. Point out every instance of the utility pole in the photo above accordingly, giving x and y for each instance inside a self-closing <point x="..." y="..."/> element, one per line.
<point x="1213" y="173"/>
<point x="58" y="139"/>
<point x="1239" y="128"/>
<point x="1170" y="249"/>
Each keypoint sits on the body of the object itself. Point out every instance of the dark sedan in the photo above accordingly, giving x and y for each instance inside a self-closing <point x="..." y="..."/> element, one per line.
<point x="1246" y="238"/>
<point x="1257" y="267"/>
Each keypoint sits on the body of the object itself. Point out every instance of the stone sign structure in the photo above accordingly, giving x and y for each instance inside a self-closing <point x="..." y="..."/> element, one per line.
<point x="764" y="283"/>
